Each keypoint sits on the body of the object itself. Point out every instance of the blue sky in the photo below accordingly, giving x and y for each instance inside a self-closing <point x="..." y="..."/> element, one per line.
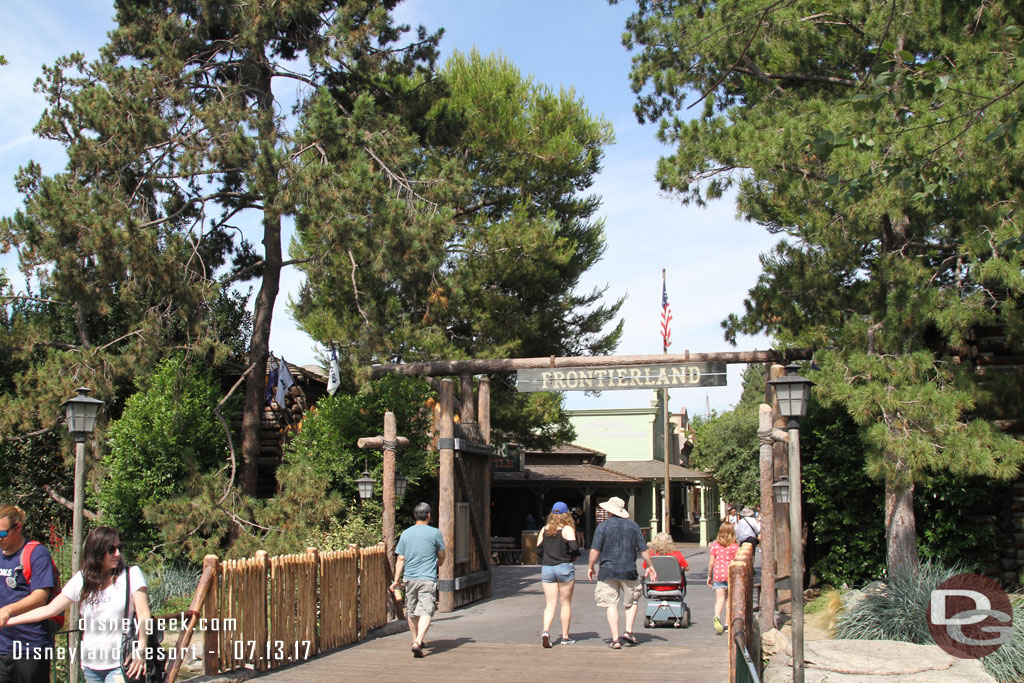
<point x="711" y="258"/>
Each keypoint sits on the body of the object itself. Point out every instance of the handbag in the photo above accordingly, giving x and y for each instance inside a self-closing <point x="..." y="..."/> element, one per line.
<point x="154" y="654"/>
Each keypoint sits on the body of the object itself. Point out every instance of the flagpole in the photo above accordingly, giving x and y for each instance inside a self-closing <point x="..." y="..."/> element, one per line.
<point x="667" y="512"/>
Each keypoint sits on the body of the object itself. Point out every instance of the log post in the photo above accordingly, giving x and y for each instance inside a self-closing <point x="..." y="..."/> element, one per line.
<point x="484" y="418"/>
<point x="768" y="604"/>
<point x="390" y="443"/>
<point x="446" y="494"/>
<point x="390" y="470"/>
<point x="484" y="410"/>
<point x="466" y="404"/>
<point x="780" y="463"/>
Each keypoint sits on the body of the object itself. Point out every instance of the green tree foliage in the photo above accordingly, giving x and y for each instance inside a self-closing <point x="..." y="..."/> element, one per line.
<point x="317" y="502"/>
<point x="843" y="507"/>
<point x="218" y="89"/>
<point x="168" y="430"/>
<point x="881" y="141"/>
<point x="493" y="269"/>
<point x="727" y="445"/>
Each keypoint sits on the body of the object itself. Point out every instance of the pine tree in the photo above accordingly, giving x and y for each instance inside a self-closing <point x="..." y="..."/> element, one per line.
<point x="482" y="253"/>
<point x="881" y="141"/>
<point x="220" y="77"/>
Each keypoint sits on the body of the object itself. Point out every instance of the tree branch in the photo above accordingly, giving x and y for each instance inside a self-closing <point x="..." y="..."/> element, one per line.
<point x="812" y="78"/>
<point x="23" y="297"/>
<point x="67" y="503"/>
<point x="227" y="431"/>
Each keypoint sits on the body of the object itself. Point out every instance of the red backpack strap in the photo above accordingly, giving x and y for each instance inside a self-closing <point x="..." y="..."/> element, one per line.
<point x="26" y="559"/>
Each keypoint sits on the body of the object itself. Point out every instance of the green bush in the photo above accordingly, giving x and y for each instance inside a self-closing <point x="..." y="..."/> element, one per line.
<point x="897" y="609"/>
<point x="167" y="431"/>
<point x="172" y="586"/>
<point x="361" y="527"/>
<point x="1006" y="664"/>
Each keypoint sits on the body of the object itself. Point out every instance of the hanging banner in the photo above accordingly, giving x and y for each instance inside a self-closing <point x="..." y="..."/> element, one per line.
<point x="677" y="375"/>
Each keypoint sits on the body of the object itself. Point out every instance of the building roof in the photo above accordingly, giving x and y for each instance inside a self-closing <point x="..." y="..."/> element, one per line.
<point x="562" y="475"/>
<point x="654" y="469"/>
<point x="562" y="448"/>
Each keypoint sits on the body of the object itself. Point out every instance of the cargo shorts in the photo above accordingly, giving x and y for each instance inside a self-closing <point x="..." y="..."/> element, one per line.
<point x="420" y="597"/>
<point x="607" y="592"/>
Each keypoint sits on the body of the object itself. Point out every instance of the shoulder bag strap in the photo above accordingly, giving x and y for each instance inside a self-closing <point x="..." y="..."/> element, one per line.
<point x="127" y="592"/>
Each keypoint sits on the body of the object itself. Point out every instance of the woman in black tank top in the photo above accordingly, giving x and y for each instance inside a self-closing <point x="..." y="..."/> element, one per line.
<point x="558" y="547"/>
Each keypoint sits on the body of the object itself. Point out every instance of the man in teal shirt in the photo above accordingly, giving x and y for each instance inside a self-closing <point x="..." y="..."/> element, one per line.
<point x="419" y="551"/>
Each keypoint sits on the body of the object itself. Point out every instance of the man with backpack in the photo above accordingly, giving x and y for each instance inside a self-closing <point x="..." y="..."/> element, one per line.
<point x="25" y="583"/>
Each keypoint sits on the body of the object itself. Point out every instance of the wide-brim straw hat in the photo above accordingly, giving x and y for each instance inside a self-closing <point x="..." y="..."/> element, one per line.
<point x="616" y="506"/>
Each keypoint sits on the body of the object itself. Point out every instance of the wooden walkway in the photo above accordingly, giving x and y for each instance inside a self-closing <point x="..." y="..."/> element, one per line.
<point x="499" y="640"/>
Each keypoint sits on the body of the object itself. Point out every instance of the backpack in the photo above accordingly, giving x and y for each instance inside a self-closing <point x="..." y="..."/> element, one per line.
<point x="56" y="623"/>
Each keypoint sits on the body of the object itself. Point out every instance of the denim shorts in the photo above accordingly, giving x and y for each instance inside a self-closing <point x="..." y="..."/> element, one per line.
<point x="719" y="584"/>
<point x="558" y="573"/>
<point x="103" y="675"/>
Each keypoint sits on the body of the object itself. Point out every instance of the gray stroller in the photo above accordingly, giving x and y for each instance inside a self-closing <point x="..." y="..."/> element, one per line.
<point x="666" y="605"/>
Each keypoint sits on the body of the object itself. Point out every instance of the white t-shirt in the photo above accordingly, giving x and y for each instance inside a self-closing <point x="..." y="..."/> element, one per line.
<point x="102" y="618"/>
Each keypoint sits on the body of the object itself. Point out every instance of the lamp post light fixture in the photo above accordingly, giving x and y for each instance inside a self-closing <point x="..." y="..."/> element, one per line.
<point x="780" y="490"/>
<point x="793" y="393"/>
<point x="401" y="484"/>
<point x="81" y="412"/>
<point x="365" y="484"/>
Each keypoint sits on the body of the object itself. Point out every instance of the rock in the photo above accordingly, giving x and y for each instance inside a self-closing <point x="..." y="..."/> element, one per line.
<point x="775" y="642"/>
<point x="876" y="661"/>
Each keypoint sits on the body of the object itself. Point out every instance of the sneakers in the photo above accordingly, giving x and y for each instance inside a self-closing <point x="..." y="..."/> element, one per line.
<point x="567" y="641"/>
<point x="545" y="639"/>
<point x="719" y="629"/>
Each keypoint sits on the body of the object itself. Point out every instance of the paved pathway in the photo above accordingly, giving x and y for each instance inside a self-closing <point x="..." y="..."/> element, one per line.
<point x="499" y="639"/>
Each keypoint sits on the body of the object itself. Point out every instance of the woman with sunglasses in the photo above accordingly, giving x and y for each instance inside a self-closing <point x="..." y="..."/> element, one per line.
<point x="101" y="589"/>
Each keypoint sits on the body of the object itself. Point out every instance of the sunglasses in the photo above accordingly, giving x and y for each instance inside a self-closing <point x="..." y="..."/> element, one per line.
<point x="113" y="549"/>
<point x="3" y="534"/>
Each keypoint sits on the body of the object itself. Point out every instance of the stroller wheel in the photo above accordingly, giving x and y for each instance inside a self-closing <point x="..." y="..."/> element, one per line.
<point x="649" y="623"/>
<point x="686" y="617"/>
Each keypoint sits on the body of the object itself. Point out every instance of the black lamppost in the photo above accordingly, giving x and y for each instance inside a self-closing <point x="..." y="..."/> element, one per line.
<point x="793" y="393"/>
<point x="81" y="412"/>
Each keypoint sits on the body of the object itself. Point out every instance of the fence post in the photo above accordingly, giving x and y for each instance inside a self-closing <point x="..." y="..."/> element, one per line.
<point x="313" y="603"/>
<point x="211" y="608"/>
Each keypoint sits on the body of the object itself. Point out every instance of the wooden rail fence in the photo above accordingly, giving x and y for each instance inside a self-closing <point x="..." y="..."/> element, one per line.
<point x="266" y="612"/>
<point x="743" y="628"/>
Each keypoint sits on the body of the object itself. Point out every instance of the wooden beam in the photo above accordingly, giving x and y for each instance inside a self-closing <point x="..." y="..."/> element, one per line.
<point x="505" y="365"/>
<point x="376" y="443"/>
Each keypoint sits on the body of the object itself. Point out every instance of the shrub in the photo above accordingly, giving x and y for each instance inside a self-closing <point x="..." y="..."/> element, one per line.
<point x="1006" y="664"/>
<point x="167" y="430"/>
<point x="172" y="586"/>
<point x="898" y="609"/>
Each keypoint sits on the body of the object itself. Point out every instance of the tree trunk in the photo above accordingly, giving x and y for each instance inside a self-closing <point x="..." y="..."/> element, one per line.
<point x="900" y="529"/>
<point x="263" y="308"/>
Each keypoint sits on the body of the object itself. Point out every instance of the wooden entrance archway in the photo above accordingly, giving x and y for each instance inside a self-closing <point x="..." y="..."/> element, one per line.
<point x="464" y="472"/>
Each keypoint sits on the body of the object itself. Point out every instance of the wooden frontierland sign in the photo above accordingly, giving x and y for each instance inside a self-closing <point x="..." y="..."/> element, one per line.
<point x="596" y="378"/>
<point x="464" y="473"/>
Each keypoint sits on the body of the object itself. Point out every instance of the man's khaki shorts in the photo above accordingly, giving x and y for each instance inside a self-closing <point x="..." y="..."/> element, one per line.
<point x="420" y="597"/>
<point x="606" y="593"/>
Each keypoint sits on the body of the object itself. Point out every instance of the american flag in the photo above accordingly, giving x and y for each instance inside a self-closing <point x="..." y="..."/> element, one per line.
<point x="666" y="317"/>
